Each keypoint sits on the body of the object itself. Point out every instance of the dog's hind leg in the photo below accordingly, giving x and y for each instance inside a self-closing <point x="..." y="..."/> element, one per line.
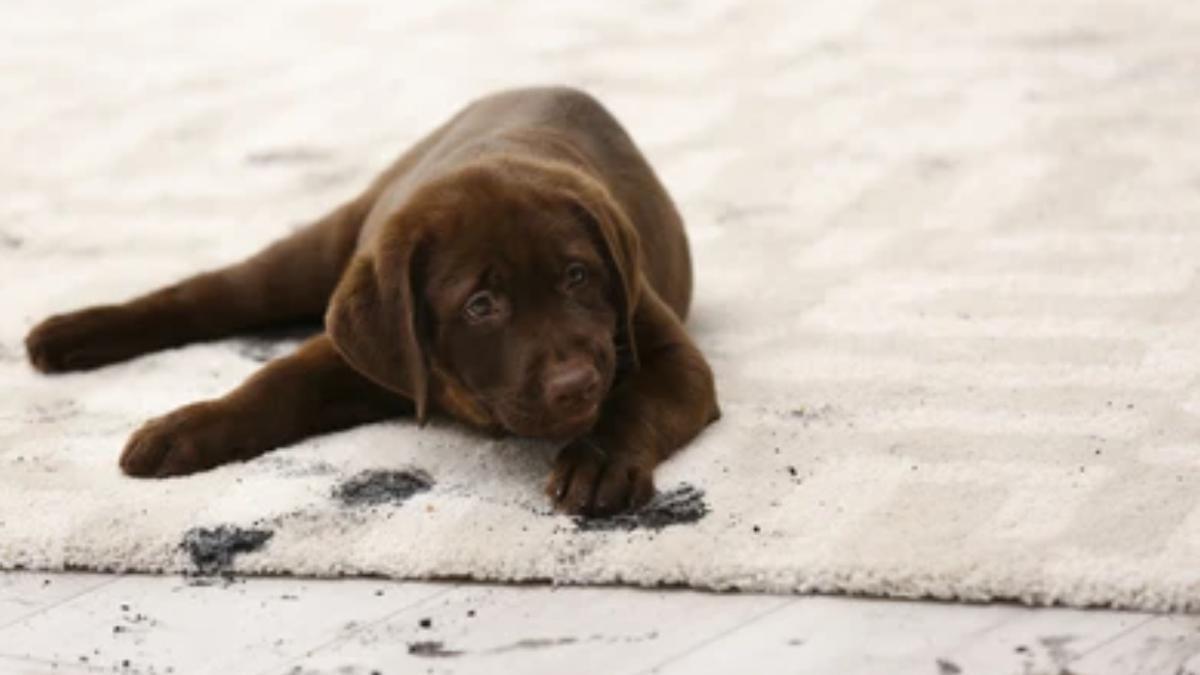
<point x="289" y="281"/>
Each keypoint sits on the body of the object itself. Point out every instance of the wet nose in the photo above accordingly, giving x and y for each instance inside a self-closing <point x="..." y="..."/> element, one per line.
<point x="571" y="384"/>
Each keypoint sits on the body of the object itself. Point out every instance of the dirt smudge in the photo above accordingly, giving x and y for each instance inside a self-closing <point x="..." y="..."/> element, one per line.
<point x="213" y="549"/>
<point x="432" y="649"/>
<point x="372" y="488"/>
<point x="681" y="505"/>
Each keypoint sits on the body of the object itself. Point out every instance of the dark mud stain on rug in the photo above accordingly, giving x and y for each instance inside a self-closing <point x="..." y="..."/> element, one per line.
<point x="681" y="505"/>
<point x="371" y="488"/>
<point x="213" y="549"/>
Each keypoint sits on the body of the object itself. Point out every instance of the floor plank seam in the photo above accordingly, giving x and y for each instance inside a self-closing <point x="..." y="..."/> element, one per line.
<point x="1113" y="638"/>
<point x="55" y="664"/>
<point x="309" y="653"/>
<point x="787" y="602"/>
<point x="61" y="601"/>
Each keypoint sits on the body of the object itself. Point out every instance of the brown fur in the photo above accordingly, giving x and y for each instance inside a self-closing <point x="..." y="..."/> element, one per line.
<point x="520" y="269"/>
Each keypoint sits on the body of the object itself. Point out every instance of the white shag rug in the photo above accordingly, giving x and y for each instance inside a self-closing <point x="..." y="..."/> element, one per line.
<point x="948" y="263"/>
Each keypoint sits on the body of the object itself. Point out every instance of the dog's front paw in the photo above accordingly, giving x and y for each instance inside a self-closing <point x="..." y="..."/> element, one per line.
<point x="587" y="480"/>
<point x="195" y="438"/>
<point x="77" y="341"/>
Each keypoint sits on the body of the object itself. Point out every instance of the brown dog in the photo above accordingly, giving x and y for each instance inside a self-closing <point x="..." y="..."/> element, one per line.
<point x="521" y="269"/>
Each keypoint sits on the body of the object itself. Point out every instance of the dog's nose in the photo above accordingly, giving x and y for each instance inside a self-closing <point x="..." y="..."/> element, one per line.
<point x="571" y="384"/>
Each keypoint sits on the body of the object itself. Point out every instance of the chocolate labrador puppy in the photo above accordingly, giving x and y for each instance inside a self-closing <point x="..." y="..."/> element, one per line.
<point x="521" y="269"/>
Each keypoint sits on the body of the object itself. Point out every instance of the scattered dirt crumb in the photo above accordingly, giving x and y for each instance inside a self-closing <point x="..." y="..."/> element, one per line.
<point x="430" y="649"/>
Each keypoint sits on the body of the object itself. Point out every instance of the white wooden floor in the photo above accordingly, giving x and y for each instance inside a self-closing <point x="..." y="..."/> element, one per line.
<point x="85" y="623"/>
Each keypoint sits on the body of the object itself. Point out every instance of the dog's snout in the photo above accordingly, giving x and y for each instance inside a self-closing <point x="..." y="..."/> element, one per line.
<point x="571" y="384"/>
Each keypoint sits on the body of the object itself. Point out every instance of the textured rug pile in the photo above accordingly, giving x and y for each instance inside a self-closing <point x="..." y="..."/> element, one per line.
<point x="948" y="264"/>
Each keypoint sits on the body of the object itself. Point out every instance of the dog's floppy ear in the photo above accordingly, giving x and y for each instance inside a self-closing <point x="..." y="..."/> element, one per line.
<point x="375" y="319"/>
<point x="611" y="228"/>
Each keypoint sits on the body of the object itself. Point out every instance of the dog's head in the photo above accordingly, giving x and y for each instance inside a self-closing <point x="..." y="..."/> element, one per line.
<point x="506" y="289"/>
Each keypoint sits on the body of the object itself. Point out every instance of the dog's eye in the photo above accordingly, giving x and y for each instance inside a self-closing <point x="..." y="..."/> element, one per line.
<point x="480" y="306"/>
<point x="577" y="274"/>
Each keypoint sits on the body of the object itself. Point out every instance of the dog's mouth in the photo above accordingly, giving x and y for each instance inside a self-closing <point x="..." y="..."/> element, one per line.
<point x="552" y="428"/>
<point x="576" y="424"/>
